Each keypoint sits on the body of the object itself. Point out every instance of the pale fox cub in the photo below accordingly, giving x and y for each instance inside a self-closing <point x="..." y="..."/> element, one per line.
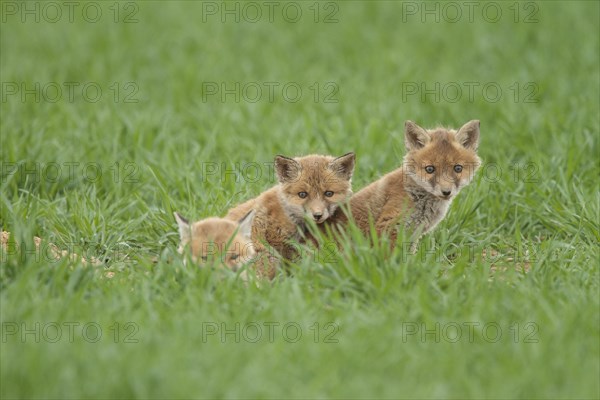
<point x="438" y="164"/>
<point x="217" y="240"/>
<point x="309" y="187"/>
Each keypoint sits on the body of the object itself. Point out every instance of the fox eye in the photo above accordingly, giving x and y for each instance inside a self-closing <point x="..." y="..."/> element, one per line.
<point x="328" y="193"/>
<point x="458" y="168"/>
<point x="234" y="256"/>
<point x="302" y="195"/>
<point x="430" y="169"/>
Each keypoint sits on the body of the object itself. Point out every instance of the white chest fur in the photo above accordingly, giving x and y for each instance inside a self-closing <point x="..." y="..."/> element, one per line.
<point x="427" y="212"/>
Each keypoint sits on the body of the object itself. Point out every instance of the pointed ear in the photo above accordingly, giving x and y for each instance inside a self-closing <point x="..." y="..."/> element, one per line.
<point x="184" y="227"/>
<point x="415" y="137"/>
<point x="287" y="169"/>
<point x="344" y="165"/>
<point x="468" y="135"/>
<point x="245" y="223"/>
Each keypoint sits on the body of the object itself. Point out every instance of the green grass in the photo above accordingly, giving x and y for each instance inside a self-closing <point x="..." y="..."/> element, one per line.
<point x="535" y="202"/>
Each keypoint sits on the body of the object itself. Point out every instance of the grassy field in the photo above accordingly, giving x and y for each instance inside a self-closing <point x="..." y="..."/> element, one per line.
<point x="116" y="114"/>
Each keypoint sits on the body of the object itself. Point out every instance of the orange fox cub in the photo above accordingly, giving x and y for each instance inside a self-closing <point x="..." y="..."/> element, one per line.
<point x="217" y="237"/>
<point x="309" y="187"/>
<point x="438" y="164"/>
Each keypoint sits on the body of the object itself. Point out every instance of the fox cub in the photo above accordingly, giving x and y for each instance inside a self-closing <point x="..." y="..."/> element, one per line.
<point x="218" y="237"/>
<point x="438" y="164"/>
<point x="309" y="187"/>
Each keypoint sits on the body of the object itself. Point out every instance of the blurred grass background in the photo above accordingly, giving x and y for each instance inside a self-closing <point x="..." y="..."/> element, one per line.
<point x="157" y="139"/>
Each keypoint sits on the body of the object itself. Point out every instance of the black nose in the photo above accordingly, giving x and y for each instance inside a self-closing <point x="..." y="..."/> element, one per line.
<point x="317" y="216"/>
<point x="446" y="192"/>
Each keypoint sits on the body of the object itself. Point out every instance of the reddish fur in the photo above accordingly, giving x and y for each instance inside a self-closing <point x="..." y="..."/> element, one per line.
<point x="408" y="195"/>
<point x="280" y="212"/>
<point x="217" y="237"/>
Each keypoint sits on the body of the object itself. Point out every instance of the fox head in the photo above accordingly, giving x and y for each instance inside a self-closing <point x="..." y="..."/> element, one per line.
<point x="441" y="161"/>
<point x="217" y="238"/>
<point x="314" y="185"/>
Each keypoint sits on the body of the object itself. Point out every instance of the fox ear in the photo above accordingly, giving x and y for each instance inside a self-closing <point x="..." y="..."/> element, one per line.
<point x="245" y="223"/>
<point x="468" y="135"/>
<point x="287" y="169"/>
<point x="184" y="227"/>
<point x="415" y="137"/>
<point x="344" y="165"/>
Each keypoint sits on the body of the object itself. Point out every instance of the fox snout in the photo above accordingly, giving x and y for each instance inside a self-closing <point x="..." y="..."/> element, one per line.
<point x="445" y="186"/>
<point x="318" y="214"/>
<point x="444" y="189"/>
<point x="446" y="192"/>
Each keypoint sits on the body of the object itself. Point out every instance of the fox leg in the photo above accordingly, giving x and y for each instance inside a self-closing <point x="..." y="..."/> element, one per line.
<point x="266" y="264"/>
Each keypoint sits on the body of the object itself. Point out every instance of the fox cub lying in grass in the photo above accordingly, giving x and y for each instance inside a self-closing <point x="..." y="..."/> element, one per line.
<point x="217" y="237"/>
<point x="438" y="164"/>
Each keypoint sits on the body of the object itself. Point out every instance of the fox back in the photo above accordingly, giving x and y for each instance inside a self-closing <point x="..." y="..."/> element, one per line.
<point x="217" y="239"/>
